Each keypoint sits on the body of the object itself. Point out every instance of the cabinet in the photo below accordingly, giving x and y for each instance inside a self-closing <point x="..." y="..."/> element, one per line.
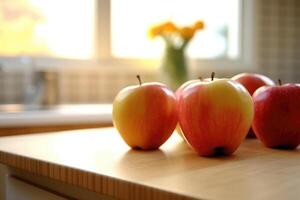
<point x="20" y="190"/>
<point x="2" y="181"/>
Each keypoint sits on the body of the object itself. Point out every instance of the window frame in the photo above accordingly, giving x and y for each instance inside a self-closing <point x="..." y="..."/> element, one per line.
<point x="103" y="56"/>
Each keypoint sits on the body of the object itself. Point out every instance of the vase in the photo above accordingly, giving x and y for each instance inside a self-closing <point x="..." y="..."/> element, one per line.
<point x="174" y="67"/>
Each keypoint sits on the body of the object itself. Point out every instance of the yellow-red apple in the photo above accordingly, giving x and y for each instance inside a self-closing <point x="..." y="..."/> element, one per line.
<point x="215" y="116"/>
<point x="145" y="115"/>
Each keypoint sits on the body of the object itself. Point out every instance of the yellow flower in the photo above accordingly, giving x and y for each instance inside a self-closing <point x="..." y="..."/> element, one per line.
<point x="187" y="32"/>
<point x="169" y="27"/>
<point x="199" y="25"/>
<point x="155" y="31"/>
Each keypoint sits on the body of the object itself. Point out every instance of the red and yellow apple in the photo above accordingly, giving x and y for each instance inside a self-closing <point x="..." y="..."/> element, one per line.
<point x="145" y="115"/>
<point x="252" y="82"/>
<point x="277" y="115"/>
<point x="215" y="116"/>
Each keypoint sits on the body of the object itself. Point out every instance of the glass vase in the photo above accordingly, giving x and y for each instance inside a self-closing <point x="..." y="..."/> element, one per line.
<point x="174" y="67"/>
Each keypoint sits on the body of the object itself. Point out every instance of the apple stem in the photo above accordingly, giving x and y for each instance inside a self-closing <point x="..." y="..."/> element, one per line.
<point x="139" y="78"/>
<point x="213" y="76"/>
<point x="200" y="78"/>
<point x="279" y="82"/>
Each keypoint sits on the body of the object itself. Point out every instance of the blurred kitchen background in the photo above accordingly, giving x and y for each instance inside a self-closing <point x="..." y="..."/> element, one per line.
<point x="85" y="51"/>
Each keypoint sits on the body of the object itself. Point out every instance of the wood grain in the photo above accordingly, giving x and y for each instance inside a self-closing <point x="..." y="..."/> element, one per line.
<point x="99" y="161"/>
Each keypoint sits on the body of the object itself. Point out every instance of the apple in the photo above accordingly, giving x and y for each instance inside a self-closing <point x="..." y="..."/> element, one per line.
<point x="145" y="115"/>
<point x="215" y="116"/>
<point x="252" y="82"/>
<point x="178" y="93"/>
<point x="277" y="115"/>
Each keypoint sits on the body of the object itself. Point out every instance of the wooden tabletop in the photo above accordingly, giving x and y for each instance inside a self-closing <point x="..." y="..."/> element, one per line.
<point x="98" y="160"/>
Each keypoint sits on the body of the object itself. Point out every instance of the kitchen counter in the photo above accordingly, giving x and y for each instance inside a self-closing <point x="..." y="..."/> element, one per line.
<point x="56" y="115"/>
<point x="97" y="160"/>
<point x="16" y="119"/>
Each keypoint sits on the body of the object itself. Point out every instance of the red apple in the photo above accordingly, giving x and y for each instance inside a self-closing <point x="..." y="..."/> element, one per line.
<point x="252" y="82"/>
<point x="145" y="115"/>
<point x="215" y="116"/>
<point x="277" y="115"/>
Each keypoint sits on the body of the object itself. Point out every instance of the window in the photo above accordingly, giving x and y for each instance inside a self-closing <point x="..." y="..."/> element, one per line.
<point x="63" y="29"/>
<point x="131" y="19"/>
<point x="56" y="28"/>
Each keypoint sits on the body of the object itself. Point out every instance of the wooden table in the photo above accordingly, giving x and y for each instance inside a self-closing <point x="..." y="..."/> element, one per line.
<point x="99" y="161"/>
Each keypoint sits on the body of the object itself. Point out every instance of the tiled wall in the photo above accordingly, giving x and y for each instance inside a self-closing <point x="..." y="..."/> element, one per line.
<point x="81" y="85"/>
<point x="93" y="85"/>
<point x="278" y="38"/>
<point x="12" y="86"/>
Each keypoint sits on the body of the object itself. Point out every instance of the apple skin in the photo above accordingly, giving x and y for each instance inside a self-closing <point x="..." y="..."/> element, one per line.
<point x="181" y="88"/>
<point x="184" y="85"/>
<point x="215" y="116"/>
<point x="252" y="82"/>
<point x="178" y="93"/>
<point x="145" y="115"/>
<point x="277" y="116"/>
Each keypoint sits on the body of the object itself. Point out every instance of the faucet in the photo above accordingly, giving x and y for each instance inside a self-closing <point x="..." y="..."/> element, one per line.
<point x="43" y="89"/>
<point x="34" y="90"/>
